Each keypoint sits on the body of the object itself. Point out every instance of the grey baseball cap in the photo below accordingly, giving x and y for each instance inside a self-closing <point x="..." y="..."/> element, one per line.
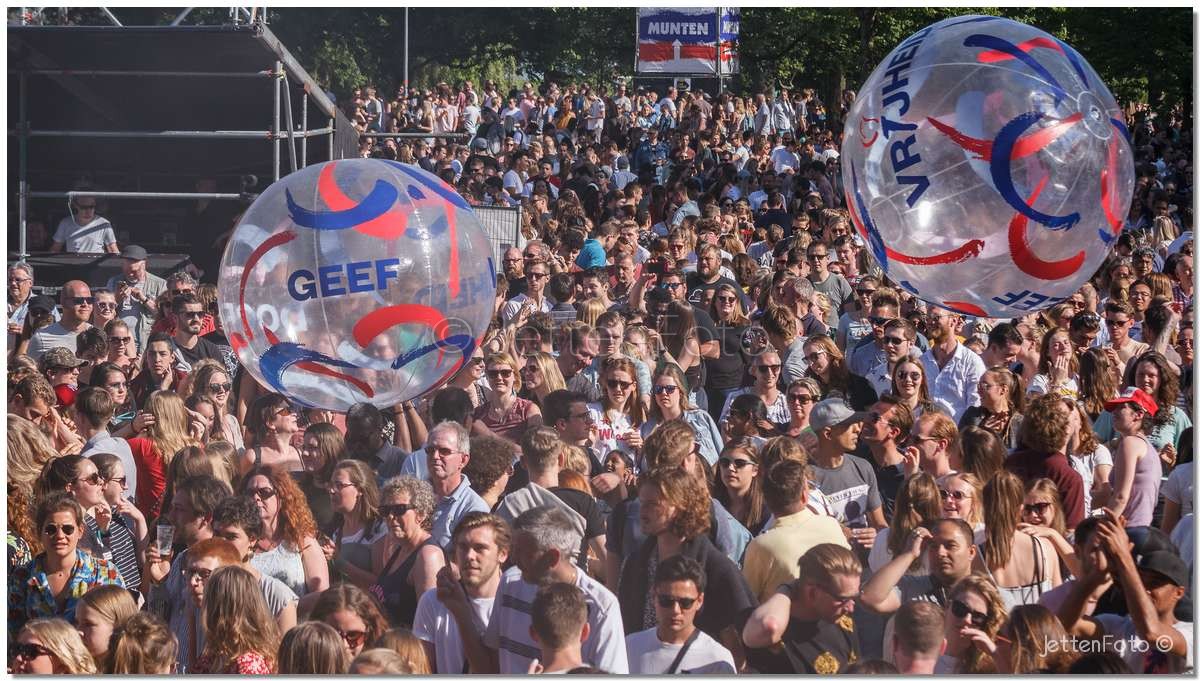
<point x="831" y="413"/>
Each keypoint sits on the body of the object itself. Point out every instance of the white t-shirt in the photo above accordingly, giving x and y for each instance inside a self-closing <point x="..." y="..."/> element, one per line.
<point x="508" y="628"/>
<point x="649" y="655"/>
<point x="434" y="624"/>
<point x="513" y="181"/>
<point x="608" y="431"/>
<point x="1179" y="488"/>
<point x="89" y="238"/>
<point x="1123" y="639"/>
<point x="1085" y="466"/>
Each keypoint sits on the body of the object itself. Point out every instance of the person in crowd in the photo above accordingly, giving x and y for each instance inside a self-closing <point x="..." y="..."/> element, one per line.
<point x="724" y="374"/>
<point x="323" y="448"/>
<point x="93" y="410"/>
<point x="466" y="591"/>
<point x="114" y="380"/>
<point x="953" y="370"/>
<point x="50" y="645"/>
<point x="1042" y="516"/>
<point x="353" y="613"/>
<point x="801" y="395"/>
<point x="288" y="549"/>
<point x="1001" y="406"/>
<point x="909" y="384"/>
<point x="52" y="584"/>
<point x="539" y="377"/>
<point x="142" y="645"/>
<point x="676" y="645"/>
<point x="358" y="525"/>
<point x="747" y="418"/>
<point x="828" y="368"/>
<point x="765" y="368"/>
<point x="365" y="441"/>
<point x="805" y="626"/>
<point x="240" y="635"/>
<point x="211" y="379"/>
<point x="449" y="404"/>
<point x="558" y="625"/>
<point x="671" y="403"/>
<point x="449" y="450"/>
<point x="98" y="614"/>
<point x="313" y="648"/>
<point x="1137" y="472"/>
<point x="885" y="425"/>
<point x="932" y="445"/>
<point x="162" y="431"/>
<point x="917" y="502"/>
<point x="236" y="520"/>
<point x="1058" y="366"/>
<point x="948" y="548"/>
<point x="160" y="370"/>
<point x="1045" y="433"/>
<point x="505" y="414"/>
<point x="491" y="467"/>
<point x="847" y="481"/>
<point x="76" y="301"/>
<point x="920" y="637"/>
<point x="738" y="483"/>
<point x="1023" y="565"/>
<point x="982" y="452"/>
<point x="1155" y="376"/>
<point x="973" y="616"/>
<point x="407" y="560"/>
<point x="621" y="410"/>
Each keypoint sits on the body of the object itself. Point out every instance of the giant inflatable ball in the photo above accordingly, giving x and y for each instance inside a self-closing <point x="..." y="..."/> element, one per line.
<point x="356" y="281"/>
<point x="987" y="167"/>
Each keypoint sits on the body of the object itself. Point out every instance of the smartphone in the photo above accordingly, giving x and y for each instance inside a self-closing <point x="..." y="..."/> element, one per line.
<point x="656" y="266"/>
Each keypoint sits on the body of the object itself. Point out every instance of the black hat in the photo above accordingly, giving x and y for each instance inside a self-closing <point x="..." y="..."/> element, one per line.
<point x="43" y="303"/>
<point x="1167" y="564"/>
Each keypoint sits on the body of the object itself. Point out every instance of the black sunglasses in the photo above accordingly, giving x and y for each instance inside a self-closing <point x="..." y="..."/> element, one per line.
<point x="394" y="510"/>
<point x="669" y="602"/>
<point x="51" y="530"/>
<point x="961" y="611"/>
<point x="28" y="651"/>
<point x="263" y="493"/>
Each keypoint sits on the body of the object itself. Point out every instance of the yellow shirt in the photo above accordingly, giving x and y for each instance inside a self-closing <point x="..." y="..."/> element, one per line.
<point x="773" y="557"/>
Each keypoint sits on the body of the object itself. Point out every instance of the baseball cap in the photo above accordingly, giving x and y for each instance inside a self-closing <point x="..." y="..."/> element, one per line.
<point x="830" y="154"/>
<point x="133" y="252"/>
<point x="1167" y="564"/>
<point x="1136" y="396"/>
<point x="831" y="413"/>
<point x="59" y="357"/>
<point x="43" y="303"/>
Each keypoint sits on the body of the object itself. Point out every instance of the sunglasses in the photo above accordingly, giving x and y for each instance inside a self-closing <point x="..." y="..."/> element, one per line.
<point x="664" y="389"/>
<point x="122" y="481"/>
<point x="394" y="510"/>
<point x="1039" y="508"/>
<point x="119" y="340"/>
<point x="802" y="399"/>
<point x="1116" y="322"/>
<point x="957" y="495"/>
<point x="106" y="306"/>
<point x="615" y="384"/>
<point x="192" y="314"/>
<point x="879" y="321"/>
<point x="93" y="479"/>
<point x="51" y="530"/>
<point x="338" y="486"/>
<point x="536" y="276"/>
<point x="286" y="411"/>
<point x="765" y="368"/>
<point x="219" y="387"/>
<point x="500" y="373"/>
<point x="83" y="300"/>
<point x="262" y="493"/>
<point x="28" y="651"/>
<point x="865" y="291"/>
<point x="910" y="375"/>
<point x="961" y="611"/>
<point x="670" y="602"/>
<point x="353" y="639"/>
<point x="202" y="573"/>
<point x="739" y="464"/>
<point x="893" y="340"/>
<point x="726" y="300"/>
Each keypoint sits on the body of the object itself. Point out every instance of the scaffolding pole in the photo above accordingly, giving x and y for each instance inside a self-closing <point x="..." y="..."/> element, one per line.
<point x="415" y="135"/>
<point x="141" y="74"/>
<point x="198" y="196"/>
<point x="291" y="126"/>
<point x="304" y="127"/>
<point x="22" y="185"/>
<point x="201" y="134"/>
<point x="275" y="126"/>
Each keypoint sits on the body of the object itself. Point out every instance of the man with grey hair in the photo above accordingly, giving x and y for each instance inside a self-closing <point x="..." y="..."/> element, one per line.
<point x="449" y="450"/>
<point x="543" y="541"/>
<point x="20" y="289"/>
<point x="137" y="292"/>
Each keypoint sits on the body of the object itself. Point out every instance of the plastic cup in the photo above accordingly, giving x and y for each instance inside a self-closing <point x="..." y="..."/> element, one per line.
<point x="164" y="539"/>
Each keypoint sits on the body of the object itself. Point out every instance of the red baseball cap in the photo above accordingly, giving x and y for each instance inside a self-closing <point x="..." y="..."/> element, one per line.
<point x="1135" y="395"/>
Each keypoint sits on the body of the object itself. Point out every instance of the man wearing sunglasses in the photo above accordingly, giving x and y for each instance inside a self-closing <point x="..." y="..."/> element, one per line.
<point x="83" y="231"/>
<point x="675" y="645"/>
<point x="886" y="425"/>
<point x="77" y="302"/>
<point x="189" y="322"/>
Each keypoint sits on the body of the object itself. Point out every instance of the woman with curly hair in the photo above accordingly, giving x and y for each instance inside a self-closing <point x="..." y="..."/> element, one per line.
<point x="1099" y="381"/>
<point x="50" y="646"/>
<point x="917" y="502"/>
<point x="675" y="518"/>
<point x="29" y="451"/>
<point x="407" y="560"/>
<point x="974" y="614"/>
<point x="240" y="637"/>
<point x="353" y="613"/>
<point x="156" y="445"/>
<point x="1154" y="375"/>
<point x="828" y="367"/>
<point x="288" y="549"/>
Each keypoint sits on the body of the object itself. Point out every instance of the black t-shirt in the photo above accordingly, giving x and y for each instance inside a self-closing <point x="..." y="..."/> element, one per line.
<point x="706" y="330"/>
<point x="585" y="505"/>
<point x="516" y="287"/>
<point x="698" y="290"/>
<point x="889" y="479"/>
<point x="808" y="647"/>
<point x="203" y="350"/>
<point x="728" y="370"/>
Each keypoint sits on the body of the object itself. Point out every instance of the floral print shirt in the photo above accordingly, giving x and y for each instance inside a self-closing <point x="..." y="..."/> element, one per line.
<point x="30" y="597"/>
<point x="246" y="663"/>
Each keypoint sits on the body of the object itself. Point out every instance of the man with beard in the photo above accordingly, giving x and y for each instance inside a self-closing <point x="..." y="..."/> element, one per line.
<point x="952" y="370"/>
<point x="543" y="542"/>
<point x="364" y="441"/>
<point x="465" y="593"/>
<point x="514" y="272"/>
<point x="189" y="317"/>
<point x="702" y="284"/>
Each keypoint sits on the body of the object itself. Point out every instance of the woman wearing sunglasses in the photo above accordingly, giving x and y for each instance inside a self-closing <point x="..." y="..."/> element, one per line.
<point x="407" y="560"/>
<point x="973" y="616"/>
<point x="211" y="379"/>
<point x="504" y="414"/>
<point x="353" y="613"/>
<point x="1001" y="406"/>
<point x="49" y="646"/>
<point x="620" y="413"/>
<point x="908" y="383"/>
<point x="670" y="403"/>
<point x="1042" y="516"/>
<point x="358" y="527"/>
<point x="828" y="367"/>
<point x="51" y="584"/>
<point x="273" y="423"/>
<point x="1022" y="565"/>
<point x="288" y="550"/>
<point x="738" y="484"/>
<point x="100" y="534"/>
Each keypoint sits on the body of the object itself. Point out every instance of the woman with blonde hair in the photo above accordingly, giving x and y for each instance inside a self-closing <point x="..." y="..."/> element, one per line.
<point x="211" y="379"/>
<point x="670" y="403"/>
<point x="313" y="648"/>
<point x="156" y="445"/>
<point x="380" y="661"/>
<point x="1018" y="562"/>
<point x="29" y="450"/>
<point x="974" y="614"/>
<point x="404" y="643"/>
<point x="827" y="366"/>
<point x="589" y="310"/>
<point x="1042" y="516"/>
<point x="962" y="498"/>
<point x="1033" y="640"/>
<point x="620" y="413"/>
<point x="408" y="559"/>
<point x="505" y="414"/>
<point x="240" y="637"/>
<point x="99" y="613"/>
<point x="917" y="502"/>
<point x="738" y="484"/>
<point x="540" y="376"/>
<point x="357" y="528"/>
<point x="144" y="644"/>
<point x="50" y="646"/>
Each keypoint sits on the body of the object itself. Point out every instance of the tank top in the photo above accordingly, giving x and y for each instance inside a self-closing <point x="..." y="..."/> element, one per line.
<point x="1143" y="494"/>
<point x="1027" y="594"/>
<point x="392" y="588"/>
<point x="282" y="563"/>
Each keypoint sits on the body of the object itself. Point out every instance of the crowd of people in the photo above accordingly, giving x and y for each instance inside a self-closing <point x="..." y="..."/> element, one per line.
<point x="702" y="434"/>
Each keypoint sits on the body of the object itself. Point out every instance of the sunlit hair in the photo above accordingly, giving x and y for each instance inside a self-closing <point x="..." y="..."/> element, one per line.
<point x="262" y="412"/>
<point x="548" y="368"/>
<point x="203" y="373"/>
<point x="1013" y="390"/>
<point x="1097" y="381"/>
<point x="1002" y="499"/>
<point x="313" y="647"/>
<point x="976" y="515"/>
<point x="364" y="480"/>
<point x="1039" y="641"/>
<point x="142" y="645"/>
<point x="1086" y="441"/>
<point x="296" y="525"/>
<point x="588" y="311"/>
<point x="693" y="513"/>
<point x="672" y="371"/>
<point x="402" y="641"/>
<point x="64" y="643"/>
<point x="782" y="447"/>
<point x="1044" y="489"/>
<point x="976" y="661"/>
<point x="114" y="604"/>
<point x="923" y="400"/>
<point x="983" y="452"/>
<point x="737" y="315"/>
<point x="1044" y="429"/>
<point x="331" y="448"/>
<point x="668" y="446"/>
<point x="1168" y="385"/>
<point x="634" y="408"/>
<point x="380" y="661"/>
<point x="918" y="501"/>
<point x="1044" y="360"/>
<point x="503" y="359"/>
<point x="351" y="599"/>
<point x="754" y="501"/>
<point x="824" y="562"/>
<point x="420" y="497"/>
<point x="169" y="432"/>
<point x="236" y="618"/>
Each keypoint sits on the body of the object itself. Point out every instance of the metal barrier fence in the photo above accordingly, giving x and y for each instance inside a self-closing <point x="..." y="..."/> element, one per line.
<point x="503" y="227"/>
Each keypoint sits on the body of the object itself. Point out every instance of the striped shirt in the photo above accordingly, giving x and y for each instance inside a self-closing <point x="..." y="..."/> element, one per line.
<point x="118" y="546"/>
